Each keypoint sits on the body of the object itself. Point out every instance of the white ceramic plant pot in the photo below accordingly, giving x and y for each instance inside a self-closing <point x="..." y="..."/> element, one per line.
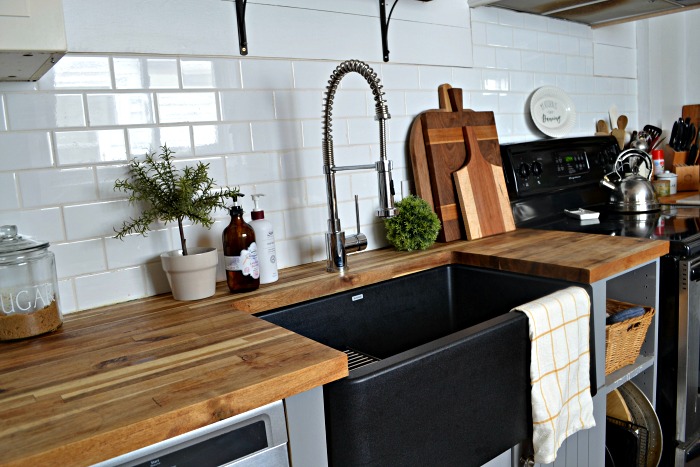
<point x="191" y="277"/>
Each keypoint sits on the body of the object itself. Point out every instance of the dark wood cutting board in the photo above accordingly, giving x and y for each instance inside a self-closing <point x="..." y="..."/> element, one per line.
<point x="416" y="149"/>
<point x="446" y="153"/>
<point x="481" y="186"/>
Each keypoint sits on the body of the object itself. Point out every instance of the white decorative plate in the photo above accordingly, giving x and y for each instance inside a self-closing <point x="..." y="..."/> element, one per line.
<point x="553" y="111"/>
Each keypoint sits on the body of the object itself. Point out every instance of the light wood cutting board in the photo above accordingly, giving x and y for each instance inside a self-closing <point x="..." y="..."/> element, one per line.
<point x="481" y="185"/>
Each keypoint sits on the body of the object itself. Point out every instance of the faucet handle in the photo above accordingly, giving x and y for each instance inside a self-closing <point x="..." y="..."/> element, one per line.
<point x="357" y="215"/>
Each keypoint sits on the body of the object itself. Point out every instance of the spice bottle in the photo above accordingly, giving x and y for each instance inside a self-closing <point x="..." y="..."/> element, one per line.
<point x="28" y="287"/>
<point x="240" y="252"/>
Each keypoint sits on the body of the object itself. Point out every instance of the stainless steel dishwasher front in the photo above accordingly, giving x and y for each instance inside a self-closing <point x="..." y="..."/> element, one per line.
<point x="254" y="438"/>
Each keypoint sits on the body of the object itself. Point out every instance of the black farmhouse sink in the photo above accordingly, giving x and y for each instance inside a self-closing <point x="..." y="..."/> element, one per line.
<point x="439" y="368"/>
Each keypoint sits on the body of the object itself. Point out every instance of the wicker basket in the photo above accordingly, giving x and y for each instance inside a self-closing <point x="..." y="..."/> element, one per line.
<point x="624" y="340"/>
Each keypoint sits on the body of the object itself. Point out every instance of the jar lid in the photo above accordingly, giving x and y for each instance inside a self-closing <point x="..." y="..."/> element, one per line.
<point x="667" y="175"/>
<point x="11" y="241"/>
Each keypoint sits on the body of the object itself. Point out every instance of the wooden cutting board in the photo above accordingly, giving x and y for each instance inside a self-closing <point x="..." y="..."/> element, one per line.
<point x="692" y="111"/>
<point x="447" y="152"/>
<point x="481" y="185"/>
<point x="416" y="149"/>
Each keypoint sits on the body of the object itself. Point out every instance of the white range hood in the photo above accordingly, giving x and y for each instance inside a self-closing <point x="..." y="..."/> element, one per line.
<point x="32" y="38"/>
<point x="596" y="13"/>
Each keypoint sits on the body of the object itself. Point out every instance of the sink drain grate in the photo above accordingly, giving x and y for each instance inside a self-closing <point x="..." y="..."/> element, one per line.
<point x="358" y="359"/>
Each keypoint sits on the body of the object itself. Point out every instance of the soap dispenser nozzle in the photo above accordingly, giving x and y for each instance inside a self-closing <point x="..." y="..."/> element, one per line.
<point x="255" y="200"/>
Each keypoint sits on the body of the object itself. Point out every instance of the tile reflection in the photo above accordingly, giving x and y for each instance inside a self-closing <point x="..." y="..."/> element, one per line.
<point x="145" y="73"/>
<point x="88" y="147"/>
<point x="73" y="72"/>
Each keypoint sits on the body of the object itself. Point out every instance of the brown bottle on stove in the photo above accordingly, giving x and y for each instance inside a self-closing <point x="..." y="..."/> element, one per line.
<point x="240" y="253"/>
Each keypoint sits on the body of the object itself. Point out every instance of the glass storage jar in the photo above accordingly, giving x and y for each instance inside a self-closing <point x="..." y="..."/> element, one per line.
<point x="29" y="303"/>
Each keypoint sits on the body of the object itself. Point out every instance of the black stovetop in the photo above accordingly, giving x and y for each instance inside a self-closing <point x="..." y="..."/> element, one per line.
<point x="570" y="171"/>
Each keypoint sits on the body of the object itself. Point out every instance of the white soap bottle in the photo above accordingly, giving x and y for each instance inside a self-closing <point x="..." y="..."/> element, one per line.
<point x="265" y="238"/>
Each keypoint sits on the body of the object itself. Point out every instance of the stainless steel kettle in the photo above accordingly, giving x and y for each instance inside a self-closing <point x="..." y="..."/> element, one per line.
<point x="630" y="191"/>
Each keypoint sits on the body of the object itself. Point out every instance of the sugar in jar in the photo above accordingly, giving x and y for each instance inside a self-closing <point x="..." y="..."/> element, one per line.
<point x="29" y="303"/>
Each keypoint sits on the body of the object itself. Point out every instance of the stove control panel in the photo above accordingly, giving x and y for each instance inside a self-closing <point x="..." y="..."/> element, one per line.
<point x="542" y="167"/>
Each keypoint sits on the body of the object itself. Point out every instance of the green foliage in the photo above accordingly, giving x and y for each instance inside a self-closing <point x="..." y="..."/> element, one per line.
<point x="168" y="194"/>
<point x="415" y="227"/>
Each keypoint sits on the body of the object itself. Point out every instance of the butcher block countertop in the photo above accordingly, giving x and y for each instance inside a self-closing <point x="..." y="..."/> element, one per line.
<point x="118" y="378"/>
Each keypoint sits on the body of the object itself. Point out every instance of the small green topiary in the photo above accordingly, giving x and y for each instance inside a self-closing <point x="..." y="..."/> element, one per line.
<point x="415" y="227"/>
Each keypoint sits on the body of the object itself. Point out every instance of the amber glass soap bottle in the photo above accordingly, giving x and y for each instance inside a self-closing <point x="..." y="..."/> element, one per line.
<point x="240" y="253"/>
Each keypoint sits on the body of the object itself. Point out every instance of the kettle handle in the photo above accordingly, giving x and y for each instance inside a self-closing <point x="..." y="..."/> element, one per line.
<point x="628" y="154"/>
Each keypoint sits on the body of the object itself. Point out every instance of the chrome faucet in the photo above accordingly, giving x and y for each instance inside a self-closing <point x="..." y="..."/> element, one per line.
<point x="338" y="245"/>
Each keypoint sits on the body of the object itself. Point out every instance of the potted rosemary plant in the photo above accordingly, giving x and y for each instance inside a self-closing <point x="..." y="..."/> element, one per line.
<point x="171" y="195"/>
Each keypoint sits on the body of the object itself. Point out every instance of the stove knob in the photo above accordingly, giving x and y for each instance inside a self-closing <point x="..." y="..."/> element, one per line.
<point x="694" y="274"/>
<point x="524" y="170"/>
<point x="537" y="168"/>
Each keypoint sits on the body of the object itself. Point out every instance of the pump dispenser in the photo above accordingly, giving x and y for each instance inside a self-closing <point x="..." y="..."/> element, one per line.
<point x="240" y="252"/>
<point x="267" y="254"/>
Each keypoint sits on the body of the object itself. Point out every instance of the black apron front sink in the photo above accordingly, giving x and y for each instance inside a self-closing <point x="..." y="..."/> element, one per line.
<point x="439" y="368"/>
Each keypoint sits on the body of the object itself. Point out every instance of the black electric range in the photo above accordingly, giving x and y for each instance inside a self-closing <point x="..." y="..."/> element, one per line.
<point x="546" y="177"/>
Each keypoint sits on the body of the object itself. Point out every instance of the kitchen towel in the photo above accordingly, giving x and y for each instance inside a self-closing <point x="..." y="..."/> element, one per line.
<point x="559" y="369"/>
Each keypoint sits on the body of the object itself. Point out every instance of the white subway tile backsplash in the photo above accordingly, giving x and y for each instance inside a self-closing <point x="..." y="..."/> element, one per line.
<point x="301" y="164"/>
<point x="66" y="296"/>
<point x="267" y="74"/>
<point x="508" y="59"/>
<point x="217" y="73"/>
<point x="136" y="249"/>
<point x="433" y="76"/>
<point x="347" y="103"/>
<point x="306" y="221"/>
<point x="90" y="147"/>
<point x="106" y="176"/>
<point x="287" y="195"/>
<point x="156" y="282"/>
<point x="84" y="221"/>
<point x="186" y="107"/>
<point x="252" y="168"/>
<point x="56" y="187"/>
<point x="499" y="36"/>
<point x="78" y="258"/>
<point x="25" y="150"/>
<point x="418" y="101"/>
<point x="495" y="80"/>
<point x="311" y="75"/>
<point x="96" y="290"/>
<point x="400" y="76"/>
<point x="8" y="191"/>
<point x="525" y="39"/>
<point x="484" y="57"/>
<point x="306" y="104"/>
<point x="547" y="42"/>
<point x="120" y="109"/>
<point x="43" y="224"/>
<point x="258" y="123"/>
<point x="148" y="140"/>
<point x="145" y="73"/>
<point x="247" y="105"/>
<point x="44" y="111"/>
<point x="221" y="139"/>
<point x="78" y="72"/>
<point x="276" y="136"/>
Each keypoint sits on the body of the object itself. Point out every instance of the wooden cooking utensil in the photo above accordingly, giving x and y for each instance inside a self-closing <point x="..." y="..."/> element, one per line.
<point x="481" y="185"/>
<point x="602" y="128"/>
<point x="619" y="132"/>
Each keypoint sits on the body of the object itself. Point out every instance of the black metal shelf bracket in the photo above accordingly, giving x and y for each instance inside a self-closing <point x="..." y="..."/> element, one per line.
<point x="240" y="19"/>
<point x="384" y="21"/>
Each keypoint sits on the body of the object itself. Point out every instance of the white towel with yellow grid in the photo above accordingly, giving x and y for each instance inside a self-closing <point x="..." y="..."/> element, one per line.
<point x="559" y="369"/>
